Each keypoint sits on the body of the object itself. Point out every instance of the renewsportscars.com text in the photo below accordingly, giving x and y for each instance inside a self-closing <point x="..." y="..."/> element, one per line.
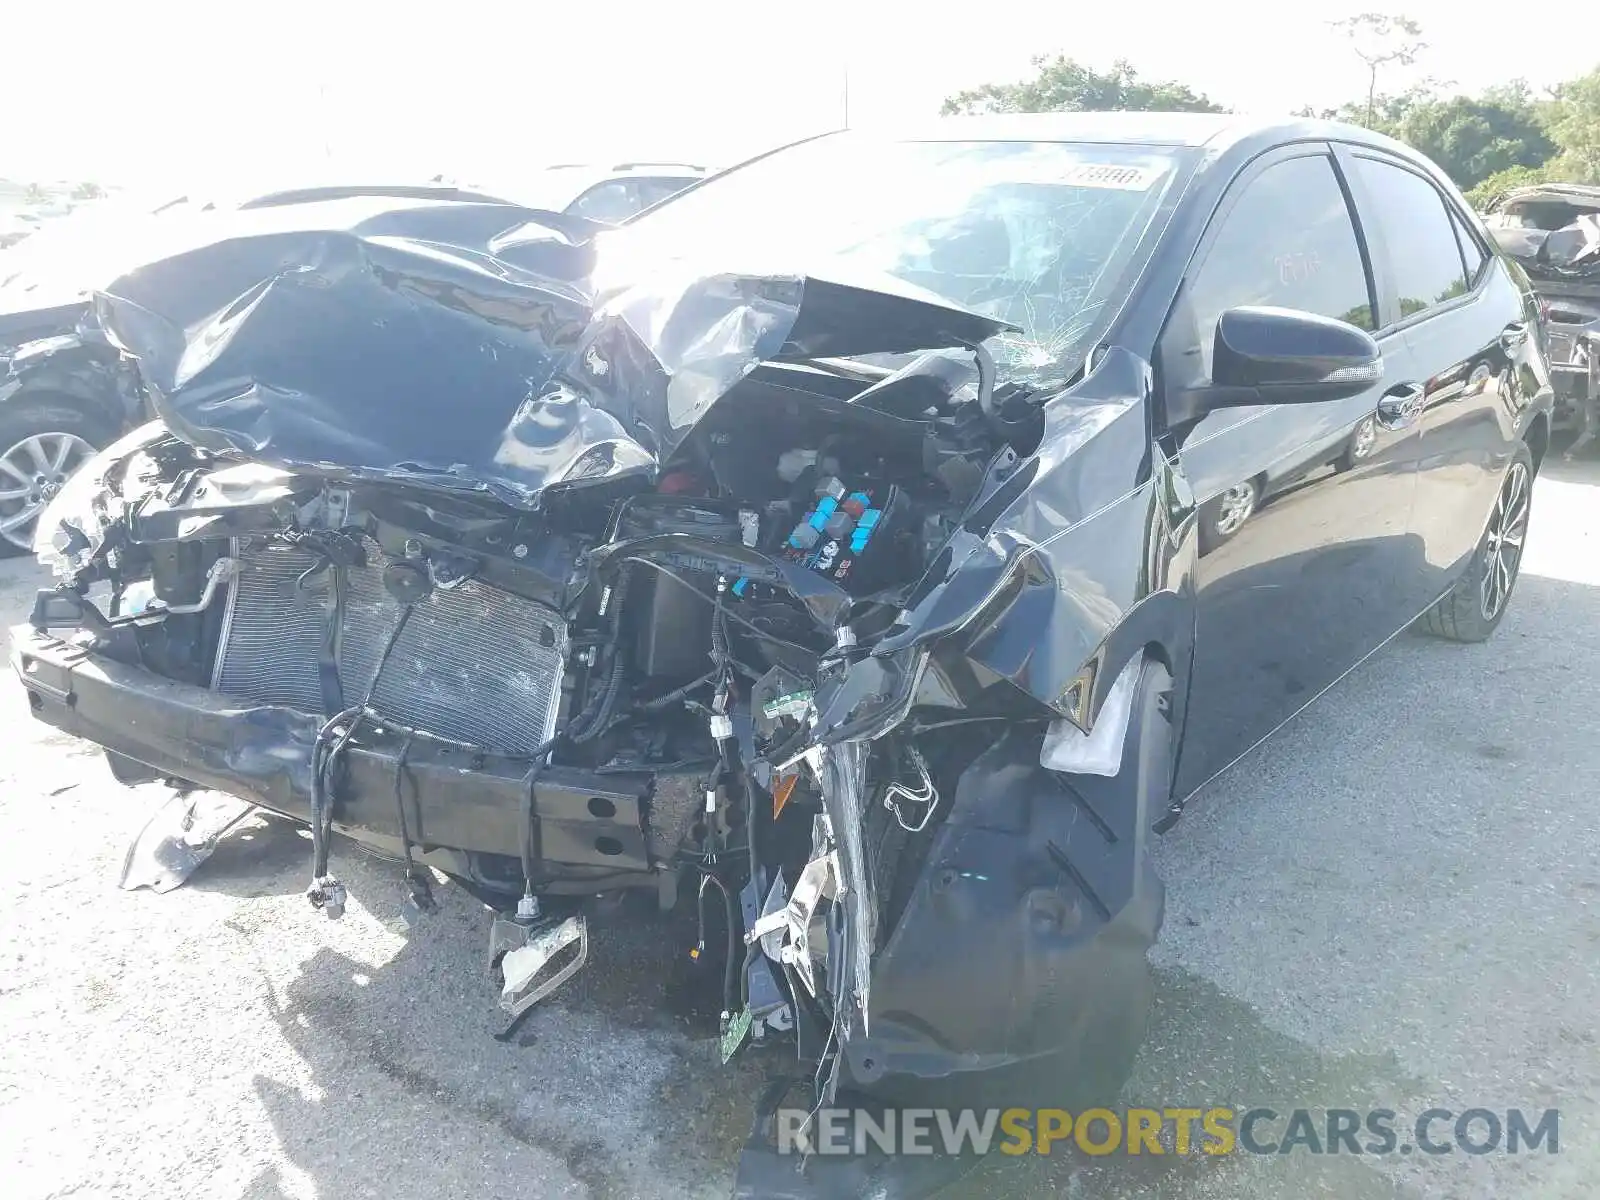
<point x="1175" y="1131"/>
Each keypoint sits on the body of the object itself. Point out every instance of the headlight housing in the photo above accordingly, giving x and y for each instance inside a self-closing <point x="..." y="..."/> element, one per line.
<point x="73" y="526"/>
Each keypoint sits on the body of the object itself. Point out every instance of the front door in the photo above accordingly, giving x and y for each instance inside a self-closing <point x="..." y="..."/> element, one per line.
<point x="1304" y="508"/>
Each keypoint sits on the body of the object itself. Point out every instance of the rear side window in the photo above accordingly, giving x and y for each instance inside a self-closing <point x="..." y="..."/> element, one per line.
<point x="1287" y="241"/>
<point x="1423" y="256"/>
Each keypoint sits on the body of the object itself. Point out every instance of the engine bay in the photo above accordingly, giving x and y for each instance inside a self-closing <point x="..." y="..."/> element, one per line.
<point x="636" y="662"/>
<point x="580" y="584"/>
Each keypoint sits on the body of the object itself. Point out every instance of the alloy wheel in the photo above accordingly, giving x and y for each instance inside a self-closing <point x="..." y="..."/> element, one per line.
<point x="1508" y="526"/>
<point x="1365" y="438"/>
<point x="1234" y="507"/>
<point x="31" y="473"/>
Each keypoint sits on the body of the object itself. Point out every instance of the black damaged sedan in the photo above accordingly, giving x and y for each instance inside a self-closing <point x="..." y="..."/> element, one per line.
<point x="877" y="542"/>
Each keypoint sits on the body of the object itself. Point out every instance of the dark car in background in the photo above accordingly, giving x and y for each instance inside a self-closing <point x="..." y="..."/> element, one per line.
<point x="64" y="391"/>
<point x="862" y="604"/>
<point x="1552" y="231"/>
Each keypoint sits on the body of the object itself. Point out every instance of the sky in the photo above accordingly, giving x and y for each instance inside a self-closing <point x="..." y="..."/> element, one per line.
<point x="173" y="91"/>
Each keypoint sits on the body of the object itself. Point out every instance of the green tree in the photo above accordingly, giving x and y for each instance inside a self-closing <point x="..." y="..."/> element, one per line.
<point x="88" y="191"/>
<point x="1470" y="137"/>
<point x="1380" y="40"/>
<point x="1381" y="112"/>
<point x="1473" y="138"/>
<point x="1513" y="177"/>
<point x="1062" y="85"/>
<point x="1573" y="119"/>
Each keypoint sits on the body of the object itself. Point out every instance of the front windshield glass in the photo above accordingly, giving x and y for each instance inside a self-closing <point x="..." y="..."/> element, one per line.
<point x="1039" y="234"/>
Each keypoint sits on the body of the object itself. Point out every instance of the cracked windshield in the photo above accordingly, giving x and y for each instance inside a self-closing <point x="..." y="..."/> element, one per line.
<point x="1035" y="234"/>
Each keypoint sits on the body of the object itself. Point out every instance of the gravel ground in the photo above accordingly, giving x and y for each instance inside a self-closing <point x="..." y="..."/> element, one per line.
<point x="1391" y="904"/>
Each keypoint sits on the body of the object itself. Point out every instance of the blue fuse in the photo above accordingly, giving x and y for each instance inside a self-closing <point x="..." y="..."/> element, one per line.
<point x="864" y="527"/>
<point x="825" y="509"/>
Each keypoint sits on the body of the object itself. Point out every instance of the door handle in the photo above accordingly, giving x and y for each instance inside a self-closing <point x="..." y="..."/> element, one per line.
<point x="1514" y="334"/>
<point x="1399" y="406"/>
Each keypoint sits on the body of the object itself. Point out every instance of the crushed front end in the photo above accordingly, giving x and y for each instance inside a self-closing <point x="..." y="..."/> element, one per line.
<point x="694" y="592"/>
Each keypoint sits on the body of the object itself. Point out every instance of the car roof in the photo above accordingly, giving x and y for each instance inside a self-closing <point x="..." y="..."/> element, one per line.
<point x="1212" y="131"/>
<point x="1217" y="136"/>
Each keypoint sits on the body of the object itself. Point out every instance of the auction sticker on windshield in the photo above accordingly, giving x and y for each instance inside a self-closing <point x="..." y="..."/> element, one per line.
<point x="1120" y="176"/>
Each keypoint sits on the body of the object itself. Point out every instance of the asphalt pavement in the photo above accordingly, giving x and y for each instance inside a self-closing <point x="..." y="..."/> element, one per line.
<point x="1393" y="903"/>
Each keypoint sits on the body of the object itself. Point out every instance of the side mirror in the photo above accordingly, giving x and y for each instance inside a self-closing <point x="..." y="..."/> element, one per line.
<point x="1291" y="357"/>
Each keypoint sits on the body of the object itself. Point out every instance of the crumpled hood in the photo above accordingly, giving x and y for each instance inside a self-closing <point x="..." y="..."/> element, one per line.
<point x="468" y="346"/>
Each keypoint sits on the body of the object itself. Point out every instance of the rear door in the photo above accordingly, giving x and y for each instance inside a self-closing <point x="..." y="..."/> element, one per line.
<point x="1470" y="333"/>
<point x="1304" y="585"/>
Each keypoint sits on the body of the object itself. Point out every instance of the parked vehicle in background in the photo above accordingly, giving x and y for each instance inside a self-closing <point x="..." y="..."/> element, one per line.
<point x="1552" y="231"/>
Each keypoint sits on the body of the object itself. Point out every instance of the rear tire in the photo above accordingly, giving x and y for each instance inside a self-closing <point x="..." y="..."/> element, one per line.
<point x="38" y="425"/>
<point x="1472" y="609"/>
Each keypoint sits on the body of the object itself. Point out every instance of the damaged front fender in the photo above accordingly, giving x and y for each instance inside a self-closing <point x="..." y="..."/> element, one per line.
<point x="1068" y="570"/>
<point x="1014" y="969"/>
<point x="1070" y="574"/>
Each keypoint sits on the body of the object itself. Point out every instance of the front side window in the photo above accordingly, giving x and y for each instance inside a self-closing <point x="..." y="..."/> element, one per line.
<point x="1420" y="245"/>
<point x="1040" y="234"/>
<point x="1287" y="242"/>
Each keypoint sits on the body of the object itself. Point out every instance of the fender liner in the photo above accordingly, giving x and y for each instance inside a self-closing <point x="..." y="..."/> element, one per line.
<point x="1017" y="970"/>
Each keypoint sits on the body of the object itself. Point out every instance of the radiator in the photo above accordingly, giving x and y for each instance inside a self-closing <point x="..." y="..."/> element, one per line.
<point x="472" y="663"/>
